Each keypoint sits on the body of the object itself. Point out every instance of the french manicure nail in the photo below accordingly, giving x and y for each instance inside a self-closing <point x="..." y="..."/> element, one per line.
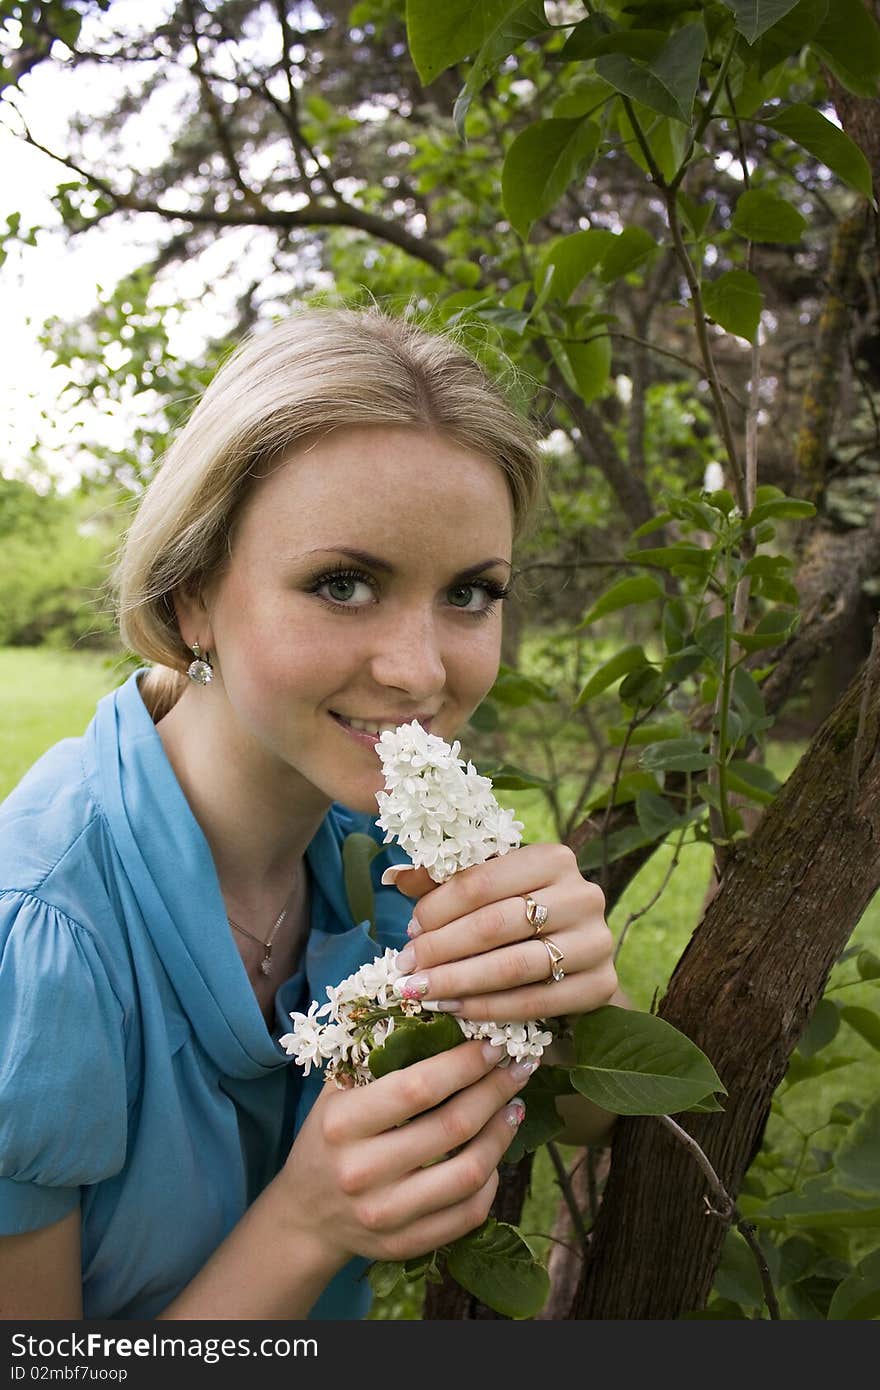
<point x="413" y="928"/>
<point x="391" y="873"/>
<point x="521" y="1069"/>
<point x="449" y="1006"/>
<point x="514" y="1113"/>
<point x="411" y="986"/>
<point x="406" y="959"/>
<point x="491" y="1053"/>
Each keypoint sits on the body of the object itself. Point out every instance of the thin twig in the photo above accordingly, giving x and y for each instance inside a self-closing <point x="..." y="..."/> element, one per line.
<point x="727" y="1210"/>
<point x="634" y="916"/>
<point x="574" y="1210"/>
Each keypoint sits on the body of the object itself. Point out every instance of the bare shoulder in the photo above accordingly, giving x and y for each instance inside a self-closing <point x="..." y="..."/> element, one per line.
<point x="40" y="1272"/>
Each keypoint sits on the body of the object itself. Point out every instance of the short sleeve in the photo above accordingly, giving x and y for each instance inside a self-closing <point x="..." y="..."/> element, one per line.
<point x="63" y="1105"/>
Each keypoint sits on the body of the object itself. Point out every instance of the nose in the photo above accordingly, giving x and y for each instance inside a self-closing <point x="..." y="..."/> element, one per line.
<point x="408" y="656"/>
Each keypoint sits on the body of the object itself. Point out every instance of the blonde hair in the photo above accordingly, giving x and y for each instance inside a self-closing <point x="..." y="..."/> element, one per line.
<point x="316" y="371"/>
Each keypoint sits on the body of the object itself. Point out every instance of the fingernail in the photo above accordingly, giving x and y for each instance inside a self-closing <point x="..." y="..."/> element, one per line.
<point x="391" y="873"/>
<point x="514" y="1113"/>
<point x="406" y="959"/>
<point x="411" y="986"/>
<point x="448" y="1006"/>
<point x="522" y="1069"/>
<point x="413" y="928"/>
<point x="491" y="1052"/>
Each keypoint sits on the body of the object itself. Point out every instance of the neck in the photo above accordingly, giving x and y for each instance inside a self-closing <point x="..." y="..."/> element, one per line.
<point x="256" y="813"/>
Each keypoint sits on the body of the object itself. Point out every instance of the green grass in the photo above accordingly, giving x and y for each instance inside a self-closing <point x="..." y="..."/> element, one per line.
<point x="45" y="695"/>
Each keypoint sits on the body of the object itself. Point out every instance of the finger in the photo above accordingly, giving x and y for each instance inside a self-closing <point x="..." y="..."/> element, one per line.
<point x="441" y="1227"/>
<point x="493" y="925"/>
<point x="453" y="1180"/>
<point x="509" y="967"/>
<point x="577" y="993"/>
<point x="507" y="876"/>
<point x="387" y="1157"/>
<point x="393" y="1099"/>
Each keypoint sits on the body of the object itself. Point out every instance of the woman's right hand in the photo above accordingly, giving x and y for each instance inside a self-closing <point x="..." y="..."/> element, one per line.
<point x="408" y="1163"/>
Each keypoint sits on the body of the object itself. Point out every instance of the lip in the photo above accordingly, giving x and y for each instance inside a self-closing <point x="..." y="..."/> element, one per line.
<point x="370" y="740"/>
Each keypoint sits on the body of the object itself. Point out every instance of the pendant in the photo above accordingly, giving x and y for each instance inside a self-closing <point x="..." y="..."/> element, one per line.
<point x="266" y="965"/>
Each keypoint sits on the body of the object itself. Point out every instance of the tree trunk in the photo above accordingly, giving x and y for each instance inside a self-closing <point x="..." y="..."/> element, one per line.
<point x="743" y="991"/>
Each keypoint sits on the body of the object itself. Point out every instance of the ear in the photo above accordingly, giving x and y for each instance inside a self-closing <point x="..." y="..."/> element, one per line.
<point x="193" y="622"/>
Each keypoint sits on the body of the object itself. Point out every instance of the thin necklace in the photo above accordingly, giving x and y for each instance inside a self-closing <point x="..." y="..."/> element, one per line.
<point x="266" y="962"/>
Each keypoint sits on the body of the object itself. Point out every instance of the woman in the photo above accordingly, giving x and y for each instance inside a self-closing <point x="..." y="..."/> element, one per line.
<point x="323" y="552"/>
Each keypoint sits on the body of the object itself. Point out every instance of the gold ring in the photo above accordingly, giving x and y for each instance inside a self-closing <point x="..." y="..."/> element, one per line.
<point x="536" y="915"/>
<point x="556" y="958"/>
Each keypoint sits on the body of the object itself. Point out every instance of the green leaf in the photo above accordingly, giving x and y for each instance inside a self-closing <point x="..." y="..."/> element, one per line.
<point x="849" y="42"/>
<point x="790" y="34"/>
<point x="866" y="1023"/>
<point x="572" y="258"/>
<point x="737" y="1277"/>
<point x="696" y="215"/>
<point x="734" y="300"/>
<point x="385" y="1275"/>
<point x="868" y="965"/>
<point x="668" y="83"/>
<point x="755" y="17"/>
<point x="637" y="1064"/>
<point x="858" y="1296"/>
<point x="358" y="853"/>
<point x="541" y="163"/>
<point x="772" y="629"/>
<point x="510" y="778"/>
<point x="625" y="251"/>
<point x="761" y="216"/>
<point x="675" y="755"/>
<point x="513" y="28"/>
<point x="752" y="780"/>
<point x="822" y="1028"/>
<point x="593" y="37"/>
<point x="683" y="663"/>
<point x="858" y="1158"/>
<point x="624" y="661"/>
<point x="412" y="1041"/>
<point x="590" y="365"/>
<point x="788" y="507"/>
<point x="641" y="589"/>
<point x="496" y="1265"/>
<point x="811" y="130"/>
<point x="682" y="557"/>
<point x="627" y="788"/>
<point x="675" y="624"/>
<point x="440" y="35"/>
<point x="819" y="1205"/>
<point x="655" y="815"/>
<point x="747" y="695"/>
<point x="645" y="733"/>
<point x="515" y="689"/>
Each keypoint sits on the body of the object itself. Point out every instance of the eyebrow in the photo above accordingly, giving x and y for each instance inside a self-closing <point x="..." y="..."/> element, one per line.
<point x="376" y="563"/>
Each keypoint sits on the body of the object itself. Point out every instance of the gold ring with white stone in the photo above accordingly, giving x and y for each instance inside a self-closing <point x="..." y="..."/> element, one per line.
<point x="536" y="915"/>
<point x="556" y="958"/>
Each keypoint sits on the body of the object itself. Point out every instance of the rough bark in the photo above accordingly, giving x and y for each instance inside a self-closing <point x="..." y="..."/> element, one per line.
<point x="822" y="393"/>
<point x="744" y="991"/>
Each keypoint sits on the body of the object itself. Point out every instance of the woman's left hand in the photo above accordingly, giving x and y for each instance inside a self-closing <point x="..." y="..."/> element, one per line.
<point x="473" y="949"/>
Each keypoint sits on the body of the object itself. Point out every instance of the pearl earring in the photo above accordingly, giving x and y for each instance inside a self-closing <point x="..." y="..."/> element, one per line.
<point x="200" y="671"/>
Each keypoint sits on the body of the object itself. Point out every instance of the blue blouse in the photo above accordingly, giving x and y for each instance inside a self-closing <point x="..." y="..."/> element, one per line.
<point x="138" y="1078"/>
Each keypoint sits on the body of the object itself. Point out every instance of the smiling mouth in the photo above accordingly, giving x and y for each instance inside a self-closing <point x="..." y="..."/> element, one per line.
<point x="375" y="733"/>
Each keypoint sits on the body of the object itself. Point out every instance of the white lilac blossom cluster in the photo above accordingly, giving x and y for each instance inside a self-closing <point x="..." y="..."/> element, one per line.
<point x="444" y="814"/>
<point x="441" y="811"/>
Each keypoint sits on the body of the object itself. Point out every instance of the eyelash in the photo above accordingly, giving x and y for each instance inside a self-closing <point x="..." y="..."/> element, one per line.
<point x="493" y="590"/>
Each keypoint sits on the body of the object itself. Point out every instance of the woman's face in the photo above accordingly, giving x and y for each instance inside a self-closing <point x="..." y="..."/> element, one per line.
<point x="298" y="648"/>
